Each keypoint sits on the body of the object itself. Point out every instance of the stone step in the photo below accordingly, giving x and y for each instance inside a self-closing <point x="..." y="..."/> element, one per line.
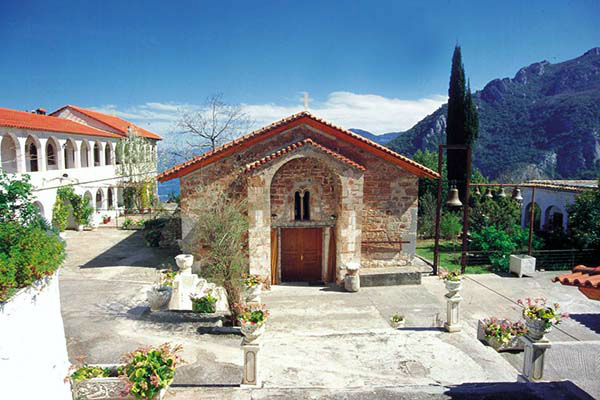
<point x="370" y="277"/>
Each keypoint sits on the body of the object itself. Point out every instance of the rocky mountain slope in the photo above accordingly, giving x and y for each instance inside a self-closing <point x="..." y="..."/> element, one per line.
<point x="543" y="123"/>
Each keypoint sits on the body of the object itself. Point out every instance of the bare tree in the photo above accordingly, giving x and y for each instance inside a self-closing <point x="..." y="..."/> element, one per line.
<point x="216" y="123"/>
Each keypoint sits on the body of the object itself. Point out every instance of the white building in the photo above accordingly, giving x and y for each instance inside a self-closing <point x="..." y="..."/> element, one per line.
<point x="551" y="200"/>
<point x="71" y="146"/>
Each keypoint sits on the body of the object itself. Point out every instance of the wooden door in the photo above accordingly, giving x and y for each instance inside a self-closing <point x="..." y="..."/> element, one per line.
<point x="301" y="250"/>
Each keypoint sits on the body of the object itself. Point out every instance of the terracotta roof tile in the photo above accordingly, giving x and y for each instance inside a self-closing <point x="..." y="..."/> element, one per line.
<point x="114" y="122"/>
<point x="26" y="120"/>
<point x="582" y="276"/>
<point x="295" y="146"/>
<point x="206" y="158"/>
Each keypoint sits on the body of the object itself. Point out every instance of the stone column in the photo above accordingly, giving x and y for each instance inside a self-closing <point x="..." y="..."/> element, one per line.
<point x="533" y="360"/>
<point x="250" y="376"/>
<point x="453" y="299"/>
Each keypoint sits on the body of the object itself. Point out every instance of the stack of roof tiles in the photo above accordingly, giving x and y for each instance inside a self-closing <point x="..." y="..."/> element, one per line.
<point x="587" y="279"/>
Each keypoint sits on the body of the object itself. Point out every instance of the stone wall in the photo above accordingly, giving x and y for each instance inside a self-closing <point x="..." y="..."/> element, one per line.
<point x="386" y="212"/>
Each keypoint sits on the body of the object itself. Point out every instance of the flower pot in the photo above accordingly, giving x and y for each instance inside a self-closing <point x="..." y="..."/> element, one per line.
<point x="104" y="388"/>
<point x="352" y="283"/>
<point x="514" y="344"/>
<point x="453" y="286"/>
<point x="158" y="297"/>
<point x="252" y="331"/>
<point x="398" y="324"/>
<point x="536" y="328"/>
<point x="253" y="294"/>
<point x="184" y="261"/>
<point x="522" y="264"/>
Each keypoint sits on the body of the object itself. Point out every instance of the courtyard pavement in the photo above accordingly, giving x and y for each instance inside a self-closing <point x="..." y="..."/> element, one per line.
<point x="323" y="342"/>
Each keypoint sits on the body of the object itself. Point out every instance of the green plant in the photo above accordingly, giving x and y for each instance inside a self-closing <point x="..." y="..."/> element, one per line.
<point x="127" y="223"/>
<point x="82" y="211"/>
<point x="452" y="276"/>
<point x="451" y="225"/>
<point x="396" y="318"/>
<point x="500" y="244"/>
<point x="86" y="373"/>
<point x="584" y="219"/>
<point x="149" y="370"/>
<point x="60" y="214"/>
<point x="251" y="281"/>
<point x="503" y="330"/>
<point x="27" y="253"/>
<point x="16" y="199"/>
<point x="166" y="277"/>
<point x="255" y="314"/>
<point x="205" y="304"/>
<point x="538" y="309"/>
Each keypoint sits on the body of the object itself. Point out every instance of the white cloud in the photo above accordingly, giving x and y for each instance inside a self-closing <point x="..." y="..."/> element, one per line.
<point x="371" y="112"/>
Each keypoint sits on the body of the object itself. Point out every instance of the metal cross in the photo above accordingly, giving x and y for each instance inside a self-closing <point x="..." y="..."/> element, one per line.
<point x="305" y="99"/>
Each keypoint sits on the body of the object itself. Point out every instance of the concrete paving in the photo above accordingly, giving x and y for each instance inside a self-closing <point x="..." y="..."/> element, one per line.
<point x="322" y="342"/>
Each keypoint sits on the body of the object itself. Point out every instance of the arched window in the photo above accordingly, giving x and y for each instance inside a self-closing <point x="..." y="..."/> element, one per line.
<point x="110" y="198"/>
<point x="31" y="154"/>
<point x="306" y="206"/>
<point x="51" y="159"/>
<point x="84" y="155"/>
<point x="69" y="154"/>
<point x="96" y="154"/>
<point x="9" y="154"/>
<point x="99" y="199"/>
<point x="107" y="154"/>
<point x="297" y="207"/>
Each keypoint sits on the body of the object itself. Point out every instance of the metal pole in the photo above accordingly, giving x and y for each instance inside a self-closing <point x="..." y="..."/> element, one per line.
<point x="438" y="214"/>
<point x="531" y="218"/>
<point x="463" y="261"/>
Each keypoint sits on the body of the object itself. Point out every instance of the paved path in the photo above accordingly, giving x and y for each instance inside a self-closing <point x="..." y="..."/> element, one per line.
<point x="321" y="342"/>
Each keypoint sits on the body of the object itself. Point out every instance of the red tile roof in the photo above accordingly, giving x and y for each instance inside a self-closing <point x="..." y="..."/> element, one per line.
<point x="114" y="122"/>
<point x="295" y="146"/>
<point x="26" y="120"/>
<point x="585" y="278"/>
<point x="287" y="123"/>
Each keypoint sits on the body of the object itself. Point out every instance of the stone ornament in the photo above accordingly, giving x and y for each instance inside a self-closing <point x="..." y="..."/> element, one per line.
<point x="252" y="331"/>
<point x="453" y="300"/>
<point x="250" y="373"/>
<point x="253" y="294"/>
<point x="536" y="328"/>
<point x="158" y="297"/>
<point x="522" y="264"/>
<point x="184" y="262"/>
<point x="352" y="279"/>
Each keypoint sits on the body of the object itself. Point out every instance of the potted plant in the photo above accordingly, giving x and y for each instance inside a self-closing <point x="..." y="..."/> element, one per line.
<point x="204" y="304"/>
<point x="540" y="317"/>
<point x="397" y="321"/>
<point x="453" y="282"/>
<point x="253" y="288"/>
<point x="501" y="334"/>
<point x="105" y="219"/>
<point x="159" y="295"/>
<point x="252" y="319"/>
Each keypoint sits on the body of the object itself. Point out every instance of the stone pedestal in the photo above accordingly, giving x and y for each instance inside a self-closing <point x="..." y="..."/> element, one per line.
<point x="250" y="376"/>
<point x="453" y="300"/>
<point x="183" y="286"/>
<point x="533" y="361"/>
<point x="352" y="283"/>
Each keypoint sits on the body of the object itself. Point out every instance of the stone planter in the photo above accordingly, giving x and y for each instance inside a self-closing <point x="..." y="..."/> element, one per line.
<point x="252" y="331"/>
<point x="352" y="283"/>
<point x="158" y="297"/>
<point x="184" y="262"/>
<point x="80" y="228"/>
<point x="514" y="344"/>
<point x="453" y="286"/>
<point x="253" y="294"/>
<point x="398" y="324"/>
<point x="104" y="388"/>
<point x="536" y="328"/>
<point x="522" y="264"/>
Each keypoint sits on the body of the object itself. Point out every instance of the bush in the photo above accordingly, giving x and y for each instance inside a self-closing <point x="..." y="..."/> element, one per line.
<point x="584" y="219"/>
<point x="16" y="199"/>
<point x="27" y="253"/>
<point x="501" y="244"/>
<point x="451" y="225"/>
<point x="205" y="304"/>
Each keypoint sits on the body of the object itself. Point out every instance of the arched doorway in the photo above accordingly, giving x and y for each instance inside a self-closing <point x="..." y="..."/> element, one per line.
<point x="305" y="201"/>
<point x="109" y="198"/>
<point x="537" y="216"/>
<point x="97" y="152"/>
<point x="88" y="197"/>
<point x="40" y="208"/>
<point x="99" y="199"/>
<point x="69" y="154"/>
<point x="9" y="154"/>
<point x="107" y="154"/>
<point x="554" y="219"/>
<point x="84" y="154"/>
<point x="51" y="154"/>
<point x="31" y="155"/>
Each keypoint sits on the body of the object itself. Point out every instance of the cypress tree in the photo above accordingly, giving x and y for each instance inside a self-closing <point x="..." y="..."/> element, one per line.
<point x="471" y="119"/>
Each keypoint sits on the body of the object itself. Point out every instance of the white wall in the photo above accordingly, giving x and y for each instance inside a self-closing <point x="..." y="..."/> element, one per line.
<point x="546" y="198"/>
<point x="33" y="349"/>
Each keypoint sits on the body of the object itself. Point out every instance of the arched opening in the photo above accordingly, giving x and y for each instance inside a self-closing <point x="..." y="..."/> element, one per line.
<point x="109" y="198"/>
<point x="84" y="154"/>
<point x="51" y="155"/>
<point x="40" y="208"/>
<point x="99" y="199"/>
<point x="9" y="154"/>
<point x="306" y="206"/>
<point x="69" y="153"/>
<point x="554" y="219"/>
<point x="88" y="197"/>
<point x="31" y="155"/>
<point x="107" y="154"/>
<point x="119" y="152"/>
<point x="537" y="216"/>
<point x="297" y="207"/>
<point x="97" y="152"/>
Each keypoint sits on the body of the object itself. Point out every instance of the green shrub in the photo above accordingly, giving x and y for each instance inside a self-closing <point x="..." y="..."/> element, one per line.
<point x="82" y="211"/>
<point x="584" y="219"/>
<point x="500" y="244"/>
<point x="27" y="253"/>
<point x="205" y="304"/>
<point x="450" y="226"/>
<point x="16" y="199"/>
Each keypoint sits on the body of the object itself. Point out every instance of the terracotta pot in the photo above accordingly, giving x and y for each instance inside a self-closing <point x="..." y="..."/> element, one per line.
<point x="536" y="328"/>
<point x="252" y="331"/>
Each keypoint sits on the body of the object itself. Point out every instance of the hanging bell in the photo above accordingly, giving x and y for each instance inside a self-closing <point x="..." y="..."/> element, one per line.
<point x="477" y="191"/>
<point x="517" y="195"/>
<point x="501" y="193"/>
<point x="489" y="194"/>
<point x="453" y="200"/>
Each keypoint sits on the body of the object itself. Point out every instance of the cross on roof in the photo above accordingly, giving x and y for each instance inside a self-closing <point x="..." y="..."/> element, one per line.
<point x="305" y="99"/>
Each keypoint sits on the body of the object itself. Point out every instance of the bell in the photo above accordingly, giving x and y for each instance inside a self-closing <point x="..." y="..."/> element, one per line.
<point x="477" y="191"/>
<point x="489" y="194"/>
<point x="517" y="195"/>
<point x="453" y="200"/>
<point x="502" y="193"/>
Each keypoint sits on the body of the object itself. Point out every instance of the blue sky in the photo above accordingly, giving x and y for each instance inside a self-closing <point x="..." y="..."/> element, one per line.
<point x="380" y="66"/>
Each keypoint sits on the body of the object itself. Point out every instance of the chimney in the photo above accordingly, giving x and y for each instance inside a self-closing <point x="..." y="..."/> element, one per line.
<point x="40" y="111"/>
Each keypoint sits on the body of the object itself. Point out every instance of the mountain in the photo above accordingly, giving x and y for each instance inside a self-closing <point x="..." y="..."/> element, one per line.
<point x="543" y="123"/>
<point x="381" y="139"/>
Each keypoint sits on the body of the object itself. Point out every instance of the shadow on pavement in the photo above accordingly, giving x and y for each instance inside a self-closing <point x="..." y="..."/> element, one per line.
<point x="517" y="391"/>
<point x="591" y="321"/>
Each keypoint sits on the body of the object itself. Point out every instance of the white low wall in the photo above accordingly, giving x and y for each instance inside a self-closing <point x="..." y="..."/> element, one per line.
<point x="33" y="349"/>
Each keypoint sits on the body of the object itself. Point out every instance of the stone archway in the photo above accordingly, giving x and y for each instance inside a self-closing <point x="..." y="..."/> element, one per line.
<point x="84" y="154"/>
<point x="32" y="154"/>
<point x="9" y="153"/>
<point x="52" y="154"/>
<point x="99" y="199"/>
<point x="554" y="218"/>
<point x="537" y="216"/>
